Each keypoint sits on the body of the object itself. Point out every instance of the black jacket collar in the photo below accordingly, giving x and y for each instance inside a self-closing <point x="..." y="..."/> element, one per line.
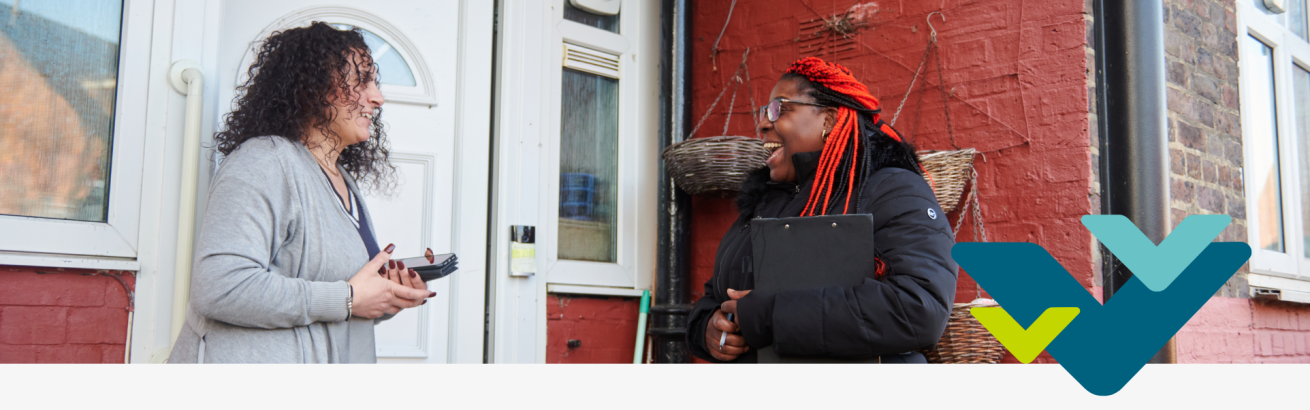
<point x="757" y="186"/>
<point x="806" y="164"/>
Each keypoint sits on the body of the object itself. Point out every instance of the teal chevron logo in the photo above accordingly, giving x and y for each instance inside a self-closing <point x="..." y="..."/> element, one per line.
<point x="1104" y="346"/>
<point x="1159" y="265"/>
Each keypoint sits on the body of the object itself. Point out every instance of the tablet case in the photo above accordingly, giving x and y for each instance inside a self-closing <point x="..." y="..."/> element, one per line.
<point x="808" y="253"/>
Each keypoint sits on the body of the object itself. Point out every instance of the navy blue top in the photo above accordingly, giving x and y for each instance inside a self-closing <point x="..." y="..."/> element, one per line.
<point x="359" y="217"/>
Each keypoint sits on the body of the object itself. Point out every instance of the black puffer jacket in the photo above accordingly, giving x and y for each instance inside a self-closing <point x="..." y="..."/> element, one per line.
<point x="904" y="310"/>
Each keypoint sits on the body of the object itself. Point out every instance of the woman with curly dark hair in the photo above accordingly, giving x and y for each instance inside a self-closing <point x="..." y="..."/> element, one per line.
<point x="286" y="265"/>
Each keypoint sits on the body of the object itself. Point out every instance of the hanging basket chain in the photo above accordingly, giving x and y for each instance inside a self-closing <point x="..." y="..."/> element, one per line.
<point x="918" y="110"/>
<point x="946" y="106"/>
<point x="973" y="208"/>
<point x="735" y="76"/>
<point x="714" y="51"/>
<point x="750" y="92"/>
<point x="932" y="40"/>
<point x="736" y="83"/>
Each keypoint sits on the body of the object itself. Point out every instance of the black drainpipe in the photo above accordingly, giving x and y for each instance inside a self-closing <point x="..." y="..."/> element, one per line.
<point x="672" y="288"/>
<point x="1134" y="143"/>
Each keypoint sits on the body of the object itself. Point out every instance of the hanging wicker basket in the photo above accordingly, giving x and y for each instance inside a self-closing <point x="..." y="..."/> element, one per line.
<point x="714" y="166"/>
<point x="947" y="171"/>
<point x="965" y="339"/>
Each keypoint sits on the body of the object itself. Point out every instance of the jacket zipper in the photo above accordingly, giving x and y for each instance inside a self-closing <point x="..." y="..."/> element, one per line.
<point x="723" y="286"/>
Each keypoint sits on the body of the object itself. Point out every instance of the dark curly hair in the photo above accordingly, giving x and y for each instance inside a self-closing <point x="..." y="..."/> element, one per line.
<point x="290" y="88"/>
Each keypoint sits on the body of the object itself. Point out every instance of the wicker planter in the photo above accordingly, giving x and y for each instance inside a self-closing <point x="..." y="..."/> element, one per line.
<point x="714" y="166"/>
<point x="947" y="173"/>
<point x="965" y="339"/>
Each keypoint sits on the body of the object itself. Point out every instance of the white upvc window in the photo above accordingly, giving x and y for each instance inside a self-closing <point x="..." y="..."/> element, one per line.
<point x="1275" y="104"/>
<point x="72" y="132"/>
<point x="597" y="170"/>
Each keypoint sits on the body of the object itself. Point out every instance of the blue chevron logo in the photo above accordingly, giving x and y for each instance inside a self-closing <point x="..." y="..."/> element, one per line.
<point x="1104" y="346"/>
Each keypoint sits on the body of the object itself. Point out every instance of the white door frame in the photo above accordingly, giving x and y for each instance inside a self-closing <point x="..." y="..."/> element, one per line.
<point x="531" y="41"/>
<point x="190" y="30"/>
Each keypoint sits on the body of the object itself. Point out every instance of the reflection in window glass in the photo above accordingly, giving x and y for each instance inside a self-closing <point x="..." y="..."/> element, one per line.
<point x="1296" y="18"/>
<point x="392" y="68"/>
<point x="1264" y="172"/>
<point x="608" y="23"/>
<point x="1301" y="89"/>
<point x="59" y="73"/>
<point x="588" y="165"/>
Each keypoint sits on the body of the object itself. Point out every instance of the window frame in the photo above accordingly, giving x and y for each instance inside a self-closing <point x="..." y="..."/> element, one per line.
<point x="1289" y="270"/>
<point x="635" y="251"/>
<point x="112" y="244"/>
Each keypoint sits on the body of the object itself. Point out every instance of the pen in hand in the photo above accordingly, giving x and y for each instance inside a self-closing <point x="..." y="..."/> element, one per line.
<point x="723" y="337"/>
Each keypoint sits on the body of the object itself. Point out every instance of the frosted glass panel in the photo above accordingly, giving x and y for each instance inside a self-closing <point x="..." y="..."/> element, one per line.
<point x="392" y="68"/>
<point x="1264" y="172"/>
<point x="589" y="148"/>
<point x="59" y="73"/>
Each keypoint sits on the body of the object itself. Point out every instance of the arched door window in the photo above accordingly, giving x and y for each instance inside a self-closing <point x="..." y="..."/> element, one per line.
<point x="404" y="74"/>
<point x="392" y="67"/>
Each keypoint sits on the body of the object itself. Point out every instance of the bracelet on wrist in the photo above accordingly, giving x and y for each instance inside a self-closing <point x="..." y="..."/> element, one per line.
<point x="350" y="301"/>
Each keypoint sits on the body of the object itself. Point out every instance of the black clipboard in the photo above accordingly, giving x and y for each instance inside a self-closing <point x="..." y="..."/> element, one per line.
<point x="808" y="253"/>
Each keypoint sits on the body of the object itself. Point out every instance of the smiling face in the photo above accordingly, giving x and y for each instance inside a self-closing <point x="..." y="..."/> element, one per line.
<point x="353" y="114"/>
<point x="799" y="128"/>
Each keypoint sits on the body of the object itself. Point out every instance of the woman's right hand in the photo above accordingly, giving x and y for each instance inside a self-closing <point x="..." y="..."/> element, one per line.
<point x="376" y="296"/>
<point x="735" y="344"/>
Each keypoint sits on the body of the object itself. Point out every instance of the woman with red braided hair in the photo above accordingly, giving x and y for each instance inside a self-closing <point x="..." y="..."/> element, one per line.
<point x="832" y="154"/>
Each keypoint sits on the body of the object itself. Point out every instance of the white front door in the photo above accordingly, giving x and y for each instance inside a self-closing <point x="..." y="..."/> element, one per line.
<point x="434" y="58"/>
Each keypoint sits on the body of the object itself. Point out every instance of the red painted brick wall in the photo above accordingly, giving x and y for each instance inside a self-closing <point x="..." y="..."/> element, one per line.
<point x="1019" y="76"/>
<point x="606" y="327"/>
<point x="67" y="316"/>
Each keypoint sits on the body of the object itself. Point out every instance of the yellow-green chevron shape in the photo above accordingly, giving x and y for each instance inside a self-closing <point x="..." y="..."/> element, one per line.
<point x="1025" y="344"/>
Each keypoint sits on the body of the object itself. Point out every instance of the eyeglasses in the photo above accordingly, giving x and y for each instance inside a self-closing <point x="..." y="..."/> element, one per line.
<point x="773" y="109"/>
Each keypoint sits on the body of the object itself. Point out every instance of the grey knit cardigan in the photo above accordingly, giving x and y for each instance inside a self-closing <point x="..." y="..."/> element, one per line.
<point x="275" y="250"/>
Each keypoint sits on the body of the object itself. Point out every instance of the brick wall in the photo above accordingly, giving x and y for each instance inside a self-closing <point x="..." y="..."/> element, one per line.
<point x="1205" y="129"/>
<point x="65" y="316"/>
<point x="605" y="327"/>
<point x="1205" y="147"/>
<point x="1018" y="77"/>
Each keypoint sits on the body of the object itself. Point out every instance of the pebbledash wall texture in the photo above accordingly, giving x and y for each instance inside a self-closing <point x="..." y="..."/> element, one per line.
<point x="1205" y="147"/>
<point x="63" y="316"/>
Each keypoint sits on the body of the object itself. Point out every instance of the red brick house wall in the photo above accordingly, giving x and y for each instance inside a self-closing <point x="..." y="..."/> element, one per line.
<point x="1018" y="77"/>
<point x="66" y="316"/>
<point x="604" y="327"/>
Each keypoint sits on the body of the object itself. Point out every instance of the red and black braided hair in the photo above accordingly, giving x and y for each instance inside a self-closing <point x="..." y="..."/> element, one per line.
<point x="859" y="144"/>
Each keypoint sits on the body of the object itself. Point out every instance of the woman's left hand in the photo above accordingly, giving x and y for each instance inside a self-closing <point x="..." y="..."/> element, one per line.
<point x="396" y="271"/>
